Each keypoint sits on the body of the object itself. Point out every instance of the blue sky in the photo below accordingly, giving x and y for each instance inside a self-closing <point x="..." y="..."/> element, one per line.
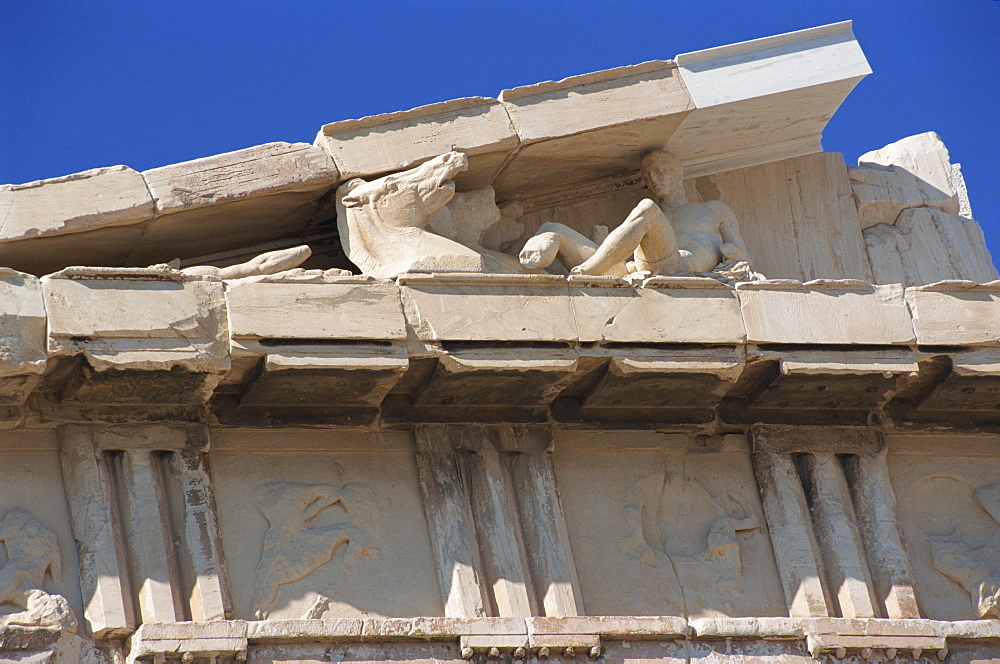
<point x="86" y="84"/>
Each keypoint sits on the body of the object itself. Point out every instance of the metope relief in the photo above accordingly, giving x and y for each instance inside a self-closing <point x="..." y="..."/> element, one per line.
<point x="690" y="540"/>
<point x="961" y="525"/>
<point x="315" y="534"/>
<point x="32" y="553"/>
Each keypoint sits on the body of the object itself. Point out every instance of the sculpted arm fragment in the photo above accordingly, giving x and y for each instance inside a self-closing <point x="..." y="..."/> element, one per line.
<point x="729" y="230"/>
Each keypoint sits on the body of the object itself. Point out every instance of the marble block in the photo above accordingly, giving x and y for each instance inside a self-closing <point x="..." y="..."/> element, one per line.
<point x="477" y="126"/>
<point x="593" y="125"/>
<point x="143" y="319"/>
<point x="111" y="196"/>
<point x="258" y="171"/>
<point x="834" y="312"/>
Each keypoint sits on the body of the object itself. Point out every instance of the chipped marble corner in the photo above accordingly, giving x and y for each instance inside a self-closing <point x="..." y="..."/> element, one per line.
<point x="23" y="355"/>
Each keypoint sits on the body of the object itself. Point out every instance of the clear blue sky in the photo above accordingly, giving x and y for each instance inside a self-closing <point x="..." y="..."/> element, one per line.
<point x="147" y="83"/>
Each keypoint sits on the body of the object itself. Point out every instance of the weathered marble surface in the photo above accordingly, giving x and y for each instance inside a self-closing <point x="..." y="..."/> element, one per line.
<point x="577" y="518"/>
<point x="255" y="459"/>
<point x="907" y="195"/>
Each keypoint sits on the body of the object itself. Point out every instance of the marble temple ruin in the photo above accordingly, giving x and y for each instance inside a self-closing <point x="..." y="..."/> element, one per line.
<point x="621" y="368"/>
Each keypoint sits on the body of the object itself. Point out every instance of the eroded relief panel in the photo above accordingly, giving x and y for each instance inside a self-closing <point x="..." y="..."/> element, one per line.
<point x="39" y="578"/>
<point x="308" y="519"/>
<point x="309" y="527"/>
<point x="671" y="526"/>
<point x="948" y="492"/>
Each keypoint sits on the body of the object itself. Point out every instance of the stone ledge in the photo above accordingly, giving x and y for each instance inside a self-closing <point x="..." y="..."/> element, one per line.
<point x="257" y="171"/>
<point x="435" y="339"/>
<point x="822" y="634"/>
<point x="112" y="196"/>
<point x="374" y="145"/>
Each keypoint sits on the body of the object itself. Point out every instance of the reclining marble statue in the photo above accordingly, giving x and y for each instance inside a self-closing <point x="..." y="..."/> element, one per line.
<point x="669" y="236"/>
<point x="400" y="223"/>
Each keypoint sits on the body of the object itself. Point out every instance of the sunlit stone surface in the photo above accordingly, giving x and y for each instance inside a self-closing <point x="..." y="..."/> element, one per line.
<point x="483" y="380"/>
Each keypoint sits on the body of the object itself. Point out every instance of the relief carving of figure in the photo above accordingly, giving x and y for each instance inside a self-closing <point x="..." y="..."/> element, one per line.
<point x="962" y="525"/>
<point x="693" y="542"/>
<point x="668" y="236"/>
<point x="32" y="553"/>
<point x="309" y="525"/>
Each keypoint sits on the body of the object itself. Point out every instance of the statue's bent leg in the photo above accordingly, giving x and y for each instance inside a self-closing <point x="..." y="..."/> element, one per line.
<point x="556" y="241"/>
<point x="646" y="232"/>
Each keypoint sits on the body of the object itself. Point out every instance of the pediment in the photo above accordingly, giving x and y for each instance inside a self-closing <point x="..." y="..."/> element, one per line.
<point x="718" y="109"/>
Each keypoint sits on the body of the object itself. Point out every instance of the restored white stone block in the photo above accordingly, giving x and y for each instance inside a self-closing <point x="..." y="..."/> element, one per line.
<point x="144" y="318"/>
<point x="111" y="196"/>
<point x="477" y="126"/>
<point x="258" y="171"/>
<point x="956" y="314"/>
<point x="765" y="99"/>
<point x="818" y="312"/>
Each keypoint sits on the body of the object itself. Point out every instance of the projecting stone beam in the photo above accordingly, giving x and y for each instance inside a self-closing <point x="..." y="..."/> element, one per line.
<point x="378" y="144"/>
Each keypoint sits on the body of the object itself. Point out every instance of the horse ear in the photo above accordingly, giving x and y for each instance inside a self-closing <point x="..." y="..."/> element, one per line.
<point x="346" y="198"/>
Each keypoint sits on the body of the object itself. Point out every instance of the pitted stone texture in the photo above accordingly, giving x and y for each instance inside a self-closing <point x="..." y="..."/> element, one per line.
<point x="353" y="308"/>
<point x="665" y="310"/>
<point x="258" y="171"/>
<point x="137" y="322"/>
<point x="477" y="126"/>
<point x="833" y="312"/>
<point x="111" y="196"/>
<point x="488" y="307"/>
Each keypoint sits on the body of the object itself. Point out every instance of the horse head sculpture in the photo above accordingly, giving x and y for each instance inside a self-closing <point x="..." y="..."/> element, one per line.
<point x="382" y="222"/>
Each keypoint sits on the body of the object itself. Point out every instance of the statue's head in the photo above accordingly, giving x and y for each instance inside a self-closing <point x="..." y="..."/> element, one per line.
<point x="662" y="172"/>
<point x="402" y="198"/>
